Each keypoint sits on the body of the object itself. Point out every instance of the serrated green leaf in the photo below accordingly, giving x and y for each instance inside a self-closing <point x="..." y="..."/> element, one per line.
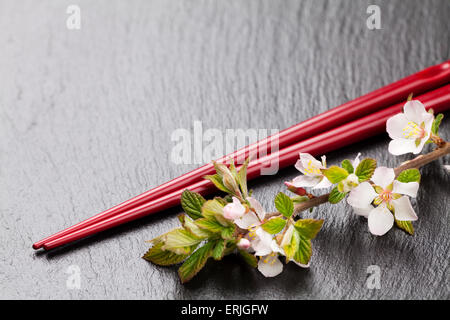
<point x="284" y="204"/>
<point x="228" y="232"/>
<point x="192" y="203"/>
<point x="335" y="174"/>
<point x="163" y="257"/>
<point x="195" y="262"/>
<point x="209" y="224"/>
<point x="336" y="196"/>
<point x="409" y="175"/>
<point x="365" y="169"/>
<point x="190" y="225"/>
<point x="219" y="249"/>
<point x="304" y="251"/>
<point x="274" y="225"/>
<point x="217" y="181"/>
<point x="405" y="226"/>
<point x="347" y="165"/>
<point x="308" y="228"/>
<point x="212" y="208"/>
<point x="180" y="241"/>
<point x="249" y="258"/>
<point x="436" y="123"/>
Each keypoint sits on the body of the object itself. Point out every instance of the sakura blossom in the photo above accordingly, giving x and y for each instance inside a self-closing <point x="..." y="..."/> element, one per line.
<point x="409" y="130"/>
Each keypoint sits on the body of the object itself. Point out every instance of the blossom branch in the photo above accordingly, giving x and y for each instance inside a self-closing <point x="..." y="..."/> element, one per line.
<point x="417" y="162"/>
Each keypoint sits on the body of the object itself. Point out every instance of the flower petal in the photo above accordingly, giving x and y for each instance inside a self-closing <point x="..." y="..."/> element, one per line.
<point x="383" y="176"/>
<point x="402" y="146"/>
<point x="395" y="126"/>
<point x="234" y="210"/>
<point x="363" y="211"/>
<point x="309" y="165"/>
<point x="414" y="110"/>
<point x="408" y="188"/>
<point x="258" y="207"/>
<point x="247" y="220"/>
<point x="263" y="242"/>
<point x="380" y="220"/>
<point x="271" y="268"/>
<point x="299" y="166"/>
<point x="324" y="183"/>
<point x="403" y="210"/>
<point x="306" y="181"/>
<point x="362" y="196"/>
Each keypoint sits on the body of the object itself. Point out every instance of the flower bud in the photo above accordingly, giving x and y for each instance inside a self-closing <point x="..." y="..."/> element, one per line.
<point x="243" y="244"/>
<point x="294" y="189"/>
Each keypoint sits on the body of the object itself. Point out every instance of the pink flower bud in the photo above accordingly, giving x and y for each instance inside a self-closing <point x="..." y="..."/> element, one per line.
<point x="233" y="211"/>
<point x="294" y="189"/>
<point x="243" y="244"/>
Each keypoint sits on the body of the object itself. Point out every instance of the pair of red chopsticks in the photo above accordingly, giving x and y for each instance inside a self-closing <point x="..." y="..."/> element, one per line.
<point x="351" y="122"/>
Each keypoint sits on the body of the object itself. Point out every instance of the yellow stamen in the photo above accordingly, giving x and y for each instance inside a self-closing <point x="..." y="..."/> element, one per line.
<point x="413" y="130"/>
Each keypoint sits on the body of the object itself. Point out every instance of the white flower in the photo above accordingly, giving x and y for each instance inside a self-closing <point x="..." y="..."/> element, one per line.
<point x="386" y="195"/>
<point x="234" y="210"/>
<point x="261" y="242"/>
<point x="409" y="130"/>
<point x="250" y="219"/>
<point x="312" y="177"/>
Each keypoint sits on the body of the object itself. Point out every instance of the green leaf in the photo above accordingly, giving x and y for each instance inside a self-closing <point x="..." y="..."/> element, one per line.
<point x="335" y="174"/>
<point x="308" y="228"/>
<point x="228" y="232"/>
<point x="190" y="225"/>
<point x="347" y="165"/>
<point x="163" y="257"/>
<point x="180" y="241"/>
<point x="409" y="175"/>
<point x="405" y="226"/>
<point x="219" y="249"/>
<point x="336" y="196"/>
<point x="212" y="208"/>
<point x="249" y="258"/>
<point x="217" y="181"/>
<point x="304" y="251"/>
<point x="365" y="169"/>
<point x="192" y="203"/>
<point x="195" y="262"/>
<point x="436" y="123"/>
<point x="274" y="225"/>
<point x="242" y="177"/>
<point x="210" y="224"/>
<point x="284" y="204"/>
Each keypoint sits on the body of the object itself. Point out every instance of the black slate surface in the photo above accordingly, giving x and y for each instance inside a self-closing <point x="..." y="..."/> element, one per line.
<point x="86" y="118"/>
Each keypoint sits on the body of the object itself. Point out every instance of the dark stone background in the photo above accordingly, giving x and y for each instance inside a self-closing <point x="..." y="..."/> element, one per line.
<point x="86" y="118"/>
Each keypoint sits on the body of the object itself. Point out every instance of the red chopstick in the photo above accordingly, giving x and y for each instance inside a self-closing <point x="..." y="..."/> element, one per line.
<point x="347" y="134"/>
<point x="425" y="80"/>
